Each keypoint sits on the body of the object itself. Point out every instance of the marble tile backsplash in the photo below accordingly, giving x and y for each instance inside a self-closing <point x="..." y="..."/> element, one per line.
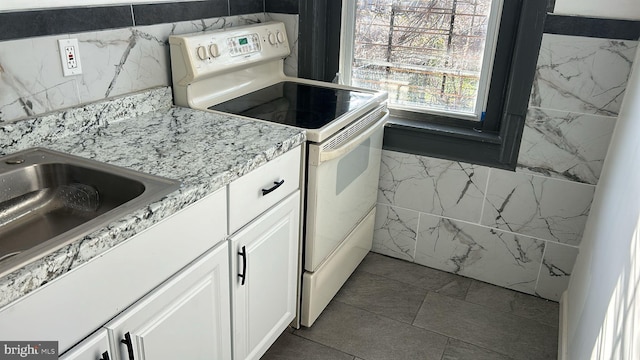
<point x="522" y="229"/>
<point x="115" y="62"/>
<point x="395" y="232"/>
<point x="565" y="145"/>
<point x="583" y="75"/>
<point x="542" y="207"/>
<point x="521" y="221"/>
<point x="483" y="253"/>
<point x="556" y="270"/>
<point x="33" y="83"/>
<point x="432" y="185"/>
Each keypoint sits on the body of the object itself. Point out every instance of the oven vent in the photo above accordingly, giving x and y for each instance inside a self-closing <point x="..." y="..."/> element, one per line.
<point x="350" y="131"/>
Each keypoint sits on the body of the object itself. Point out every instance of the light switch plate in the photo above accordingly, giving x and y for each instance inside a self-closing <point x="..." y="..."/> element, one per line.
<point x="70" y="57"/>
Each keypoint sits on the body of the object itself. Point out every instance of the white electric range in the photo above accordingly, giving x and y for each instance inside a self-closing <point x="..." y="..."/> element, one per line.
<point x="240" y="71"/>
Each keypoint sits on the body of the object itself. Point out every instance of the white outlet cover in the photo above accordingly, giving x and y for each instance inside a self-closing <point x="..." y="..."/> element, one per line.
<point x="70" y="57"/>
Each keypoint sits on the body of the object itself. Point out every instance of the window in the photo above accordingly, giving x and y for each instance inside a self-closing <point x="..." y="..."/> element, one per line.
<point x="429" y="55"/>
<point x="445" y="133"/>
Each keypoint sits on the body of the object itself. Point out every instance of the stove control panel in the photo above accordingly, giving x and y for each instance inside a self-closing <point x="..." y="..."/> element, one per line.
<point x="206" y="54"/>
<point x="242" y="45"/>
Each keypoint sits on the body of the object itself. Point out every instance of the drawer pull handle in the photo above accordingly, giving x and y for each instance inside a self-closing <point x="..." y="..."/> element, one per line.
<point x="127" y="341"/>
<point x="275" y="186"/>
<point x="243" y="275"/>
<point x="105" y="356"/>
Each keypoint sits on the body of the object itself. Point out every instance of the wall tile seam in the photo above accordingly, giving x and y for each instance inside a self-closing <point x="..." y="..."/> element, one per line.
<point x="415" y="240"/>
<point x="480" y="225"/>
<point x="607" y="117"/>
<point x="550" y="178"/>
<point x="76" y="86"/>
<point x="484" y="195"/>
<point x="523" y="170"/>
<point x="544" y="252"/>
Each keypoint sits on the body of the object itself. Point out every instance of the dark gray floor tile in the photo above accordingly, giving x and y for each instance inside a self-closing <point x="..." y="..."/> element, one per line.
<point x="292" y="347"/>
<point x="372" y="337"/>
<point x="501" y="299"/>
<point x="460" y="350"/>
<point x="417" y="275"/>
<point x="502" y="332"/>
<point x="382" y="296"/>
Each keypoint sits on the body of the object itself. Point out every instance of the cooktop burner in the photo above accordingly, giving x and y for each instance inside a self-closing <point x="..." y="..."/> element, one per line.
<point x="296" y="104"/>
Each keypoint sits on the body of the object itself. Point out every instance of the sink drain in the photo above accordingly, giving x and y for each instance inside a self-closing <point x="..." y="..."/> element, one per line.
<point x="80" y="197"/>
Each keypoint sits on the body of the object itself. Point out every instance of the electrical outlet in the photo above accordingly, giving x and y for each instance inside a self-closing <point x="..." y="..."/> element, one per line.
<point x="70" y="57"/>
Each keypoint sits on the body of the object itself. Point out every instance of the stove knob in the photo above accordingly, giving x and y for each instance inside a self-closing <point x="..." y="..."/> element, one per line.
<point x="280" y="37"/>
<point x="213" y="50"/>
<point x="272" y="39"/>
<point x="202" y="52"/>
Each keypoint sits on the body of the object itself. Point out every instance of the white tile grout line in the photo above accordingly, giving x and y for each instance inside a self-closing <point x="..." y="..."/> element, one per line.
<point x="527" y="173"/>
<point x="544" y="252"/>
<point x="484" y="196"/>
<point x="571" y="112"/>
<point x="479" y="225"/>
<point x="415" y="248"/>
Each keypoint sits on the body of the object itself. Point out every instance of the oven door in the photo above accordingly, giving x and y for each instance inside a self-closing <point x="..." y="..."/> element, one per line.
<point x="342" y="190"/>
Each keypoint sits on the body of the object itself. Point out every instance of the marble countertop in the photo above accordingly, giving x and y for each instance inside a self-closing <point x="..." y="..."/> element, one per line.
<point x="204" y="151"/>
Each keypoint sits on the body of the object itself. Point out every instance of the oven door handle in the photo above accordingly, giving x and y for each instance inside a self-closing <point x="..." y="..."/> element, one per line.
<point x="353" y="143"/>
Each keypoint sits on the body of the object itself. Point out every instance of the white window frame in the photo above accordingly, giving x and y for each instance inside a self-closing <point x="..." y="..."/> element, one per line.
<point x="347" y="37"/>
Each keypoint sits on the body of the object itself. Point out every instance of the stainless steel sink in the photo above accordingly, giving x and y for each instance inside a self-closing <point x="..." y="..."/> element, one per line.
<point x="49" y="199"/>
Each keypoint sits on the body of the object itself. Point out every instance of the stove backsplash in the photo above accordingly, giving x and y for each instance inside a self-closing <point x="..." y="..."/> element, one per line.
<point x="114" y="62"/>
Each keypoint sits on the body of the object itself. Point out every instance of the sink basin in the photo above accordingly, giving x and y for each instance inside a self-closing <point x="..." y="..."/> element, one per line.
<point x="49" y="199"/>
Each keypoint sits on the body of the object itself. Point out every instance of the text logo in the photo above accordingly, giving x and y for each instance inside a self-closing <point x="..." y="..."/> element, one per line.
<point x="28" y="350"/>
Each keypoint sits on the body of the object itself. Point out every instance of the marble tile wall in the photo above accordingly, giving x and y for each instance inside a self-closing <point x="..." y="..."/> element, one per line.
<point x="576" y="96"/>
<point x="520" y="230"/>
<point x="114" y="62"/>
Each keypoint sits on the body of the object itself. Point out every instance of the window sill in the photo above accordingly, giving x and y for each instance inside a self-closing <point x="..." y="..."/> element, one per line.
<point x="445" y="130"/>
<point x="446" y="142"/>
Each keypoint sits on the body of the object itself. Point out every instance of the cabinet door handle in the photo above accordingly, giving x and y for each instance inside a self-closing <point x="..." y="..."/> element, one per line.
<point x="276" y="184"/>
<point x="105" y="356"/>
<point x="127" y="341"/>
<point x="243" y="254"/>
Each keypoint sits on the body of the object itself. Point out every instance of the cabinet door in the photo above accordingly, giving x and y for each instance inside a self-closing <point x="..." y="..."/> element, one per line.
<point x="95" y="347"/>
<point x="265" y="255"/>
<point x="185" y="318"/>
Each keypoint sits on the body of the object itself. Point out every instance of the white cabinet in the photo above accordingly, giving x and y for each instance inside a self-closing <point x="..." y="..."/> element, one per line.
<point x="95" y="347"/>
<point x="185" y="318"/>
<point x="264" y="263"/>
<point x="81" y="301"/>
<point x="257" y="191"/>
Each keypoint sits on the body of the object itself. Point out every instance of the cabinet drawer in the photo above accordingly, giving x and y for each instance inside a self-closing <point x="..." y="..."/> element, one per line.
<point x="249" y="195"/>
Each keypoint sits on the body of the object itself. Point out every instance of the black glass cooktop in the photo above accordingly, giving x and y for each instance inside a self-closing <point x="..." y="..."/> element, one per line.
<point x="301" y="105"/>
